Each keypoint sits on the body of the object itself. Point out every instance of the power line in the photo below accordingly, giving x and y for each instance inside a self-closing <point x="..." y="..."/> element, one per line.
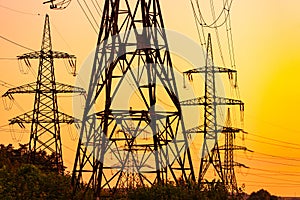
<point x="5" y="84"/>
<point x="273" y="144"/>
<point x="198" y="30"/>
<point x="97" y="8"/>
<point x="212" y="7"/>
<point x="87" y="17"/>
<point x="276" y="172"/>
<point x="4" y="125"/>
<point x="270" y="158"/>
<point x="267" y="138"/>
<point x="271" y="162"/>
<point x="276" y="186"/>
<point x="4" y="38"/>
<point x="18" y="11"/>
<point x="274" y="156"/>
<point x="90" y="11"/>
<point x="60" y="35"/>
<point x="273" y="124"/>
<point x="269" y="183"/>
<point x="226" y="10"/>
<point x="67" y="147"/>
<point x="280" y="179"/>
<point x="8" y="59"/>
<point x="1" y="84"/>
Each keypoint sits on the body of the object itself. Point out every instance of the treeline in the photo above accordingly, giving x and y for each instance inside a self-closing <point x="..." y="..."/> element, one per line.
<point x="20" y="180"/>
<point x="23" y="181"/>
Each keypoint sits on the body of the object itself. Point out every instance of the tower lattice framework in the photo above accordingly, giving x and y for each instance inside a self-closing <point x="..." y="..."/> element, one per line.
<point x="45" y="118"/>
<point x="229" y="147"/>
<point x="140" y="137"/>
<point x="210" y="128"/>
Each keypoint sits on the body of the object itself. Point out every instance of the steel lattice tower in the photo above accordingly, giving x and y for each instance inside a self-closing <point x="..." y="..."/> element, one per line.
<point x="229" y="147"/>
<point x="45" y="118"/>
<point x="210" y="128"/>
<point x="132" y="42"/>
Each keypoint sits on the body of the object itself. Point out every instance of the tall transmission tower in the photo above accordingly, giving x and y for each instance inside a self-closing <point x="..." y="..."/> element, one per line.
<point x="229" y="147"/>
<point x="210" y="128"/>
<point x="45" y="118"/>
<point x="132" y="47"/>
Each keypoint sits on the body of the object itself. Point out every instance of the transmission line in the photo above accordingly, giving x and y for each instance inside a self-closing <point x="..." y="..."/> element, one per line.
<point x="18" y="11"/>
<point x="95" y="28"/>
<point x="279" y="179"/>
<point x="15" y="43"/>
<point x="271" y="162"/>
<point x="273" y="144"/>
<point x="276" y="172"/>
<point x="8" y="59"/>
<point x="281" y="157"/>
<point x="267" y="138"/>
<point x="270" y="184"/>
<point x="7" y="83"/>
<point x="214" y="24"/>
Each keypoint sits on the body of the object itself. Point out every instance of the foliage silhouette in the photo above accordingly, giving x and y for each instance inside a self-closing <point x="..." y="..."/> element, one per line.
<point x="23" y="181"/>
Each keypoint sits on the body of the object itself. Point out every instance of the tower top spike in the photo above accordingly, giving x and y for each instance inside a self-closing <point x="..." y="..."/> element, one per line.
<point x="209" y="52"/>
<point x="46" y="41"/>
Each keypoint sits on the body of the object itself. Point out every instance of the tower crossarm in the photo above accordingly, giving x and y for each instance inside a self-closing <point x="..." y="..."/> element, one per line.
<point x="28" y="118"/>
<point x="227" y="129"/>
<point x="31" y="55"/>
<point x="65" y="88"/>
<point x="236" y="164"/>
<point x="49" y="54"/>
<point x="20" y="119"/>
<point x="54" y="54"/>
<point x="218" y="101"/>
<point x="197" y="129"/>
<point x="234" y="147"/>
<point x="62" y="55"/>
<point x="220" y="129"/>
<point x="32" y="88"/>
<point x="27" y="88"/>
<point x="196" y="101"/>
<point x="64" y="118"/>
<point x="211" y="69"/>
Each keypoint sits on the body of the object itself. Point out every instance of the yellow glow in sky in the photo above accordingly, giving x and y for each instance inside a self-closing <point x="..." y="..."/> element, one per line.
<point x="266" y="38"/>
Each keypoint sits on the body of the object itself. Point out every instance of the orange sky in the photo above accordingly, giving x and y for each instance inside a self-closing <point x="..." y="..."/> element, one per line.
<point x="266" y="37"/>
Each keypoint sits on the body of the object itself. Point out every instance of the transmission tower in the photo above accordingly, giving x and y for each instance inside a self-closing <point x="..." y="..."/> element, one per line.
<point x="210" y="127"/>
<point x="132" y="47"/>
<point x="229" y="147"/>
<point x="45" y="118"/>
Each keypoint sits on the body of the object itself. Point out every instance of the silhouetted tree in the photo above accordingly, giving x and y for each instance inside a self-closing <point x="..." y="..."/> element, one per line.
<point x="262" y="195"/>
<point x="23" y="181"/>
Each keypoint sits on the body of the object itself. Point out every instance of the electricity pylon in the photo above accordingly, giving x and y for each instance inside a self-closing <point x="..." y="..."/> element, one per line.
<point x="210" y="127"/>
<point x="229" y="147"/>
<point x="45" y="118"/>
<point x="132" y="47"/>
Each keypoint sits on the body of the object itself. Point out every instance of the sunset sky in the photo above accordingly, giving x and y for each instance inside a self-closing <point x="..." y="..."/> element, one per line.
<point x="266" y="43"/>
